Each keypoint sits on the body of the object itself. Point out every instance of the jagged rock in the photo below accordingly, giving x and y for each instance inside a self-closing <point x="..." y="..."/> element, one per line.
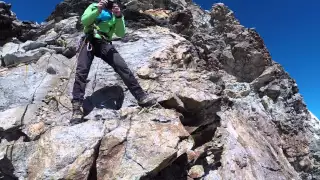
<point x="134" y="18"/>
<point x="158" y="39"/>
<point x="237" y="90"/>
<point x="160" y="14"/>
<point x="21" y="87"/>
<point x="69" y="8"/>
<point x="11" y="27"/>
<point x="31" y="45"/>
<point x="213" y="175"/>
<point x="9" y="48"/>
<point x="14" y="54"/>
<point x="190" y="20"/>
<point x="69" y="154"/>
<point x="257" y="126"/>
<point x="146" y="73"/>
<point x="67" y="26"/>
<point x="270" y="74"/>
<point x="137" y="20"/>
<point x="58" y="49"/>
<point x="11" y="118"/>
<point x="58" y="63"/>
<point x="182" y="22"/>
<point x="244" y="45"/>
<point x="71" y="44"/>
<point x="142" y="144"/>
<point x="26" y="30"/>
<point x="273" y="91"/>
<point x="149" y="4"/>
<point x="49" y="38"/>
<point x="196" y="171"/>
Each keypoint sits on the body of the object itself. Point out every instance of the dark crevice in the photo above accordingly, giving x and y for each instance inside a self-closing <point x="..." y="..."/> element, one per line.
<point x="271" y="169"/>
<point x="181" y="139"/>
<point x="93" y="170"/>
<point x="214" y="151"/>
<point x="202" y="121"/>
<point x="129" y="157"/>
<point x="24" y="114"/>
<point x="178" y="170"/>
<point x="194" y="114"/>
<point x="7" y="170"/>
<point x="205" y="133"/>
<point x="3" y="64"/>
<point x="217" y="153"/>
<point x="163" y="165"/>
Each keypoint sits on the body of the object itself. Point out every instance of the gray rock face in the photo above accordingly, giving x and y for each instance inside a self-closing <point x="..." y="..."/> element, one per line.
<point x="14" y="54"/>
<point x="67" y="26"/>
<point x="141" y="144"/>
<point x="226" y="110"/>
<point x="245" y="55"/>
<point x="31" y="45"/>
<point x="23" y="85"/>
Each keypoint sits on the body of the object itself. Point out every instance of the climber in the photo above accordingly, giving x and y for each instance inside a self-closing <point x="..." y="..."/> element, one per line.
<point x="102" y="20"/>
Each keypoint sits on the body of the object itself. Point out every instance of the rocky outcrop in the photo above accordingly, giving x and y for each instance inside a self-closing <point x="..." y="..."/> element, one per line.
<point x="226" y="109"/>
<point x="12" y="27"/>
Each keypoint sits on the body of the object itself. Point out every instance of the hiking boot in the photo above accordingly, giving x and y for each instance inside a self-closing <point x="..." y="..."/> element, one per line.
<point x="147" y="101"/>
<point x="77" y="112"/>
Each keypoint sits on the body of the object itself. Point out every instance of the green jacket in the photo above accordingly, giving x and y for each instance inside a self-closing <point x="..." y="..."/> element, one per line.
<point x="105" y="21"/>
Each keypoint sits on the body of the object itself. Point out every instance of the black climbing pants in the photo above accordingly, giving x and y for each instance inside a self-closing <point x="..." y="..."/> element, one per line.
<point x="106" y="51"/>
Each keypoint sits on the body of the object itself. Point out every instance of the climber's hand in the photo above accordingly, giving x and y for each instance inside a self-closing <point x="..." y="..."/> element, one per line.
<point x="102" y="4"/>
<point x="116" y="10"/>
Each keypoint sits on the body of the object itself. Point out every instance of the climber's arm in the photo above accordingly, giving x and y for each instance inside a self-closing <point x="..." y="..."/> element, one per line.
<point x="120" y="27"/>
<point x="90" y="14"/>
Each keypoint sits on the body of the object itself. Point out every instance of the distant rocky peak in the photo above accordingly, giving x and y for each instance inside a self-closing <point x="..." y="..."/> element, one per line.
<point x="12" y="27"/>
<point x="314" y="117"/>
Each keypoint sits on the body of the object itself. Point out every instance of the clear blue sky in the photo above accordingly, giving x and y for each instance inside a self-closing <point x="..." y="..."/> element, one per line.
<point x="290" y="29"/>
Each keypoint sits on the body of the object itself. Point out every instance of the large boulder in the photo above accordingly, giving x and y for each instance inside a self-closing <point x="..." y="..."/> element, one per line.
<point x="14" y="54"/>
<point x="140" y="144"/>
<point x="62" y="152"/>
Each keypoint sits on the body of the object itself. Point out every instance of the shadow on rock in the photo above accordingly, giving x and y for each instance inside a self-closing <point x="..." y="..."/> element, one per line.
<point x="177" y="170"/>
<point x="6" y="169"/>
<point x="13" y="134"/>
<point x="111" y="97"/>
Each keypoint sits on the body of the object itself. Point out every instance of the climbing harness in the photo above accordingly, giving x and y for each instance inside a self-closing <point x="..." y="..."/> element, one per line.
<point x="89" y="47"/>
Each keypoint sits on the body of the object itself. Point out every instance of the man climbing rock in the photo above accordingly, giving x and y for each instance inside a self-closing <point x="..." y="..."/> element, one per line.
<point x="101" y="21"/>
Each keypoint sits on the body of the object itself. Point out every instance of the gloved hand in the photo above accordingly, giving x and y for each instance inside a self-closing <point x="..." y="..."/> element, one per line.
<point x="102" y="4"/>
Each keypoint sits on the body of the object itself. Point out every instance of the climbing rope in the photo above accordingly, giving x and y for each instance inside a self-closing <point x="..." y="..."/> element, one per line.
<point x="26" y="73"/>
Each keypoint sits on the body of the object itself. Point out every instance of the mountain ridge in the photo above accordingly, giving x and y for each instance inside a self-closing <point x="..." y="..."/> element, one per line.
<point x="228" y="111"/>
